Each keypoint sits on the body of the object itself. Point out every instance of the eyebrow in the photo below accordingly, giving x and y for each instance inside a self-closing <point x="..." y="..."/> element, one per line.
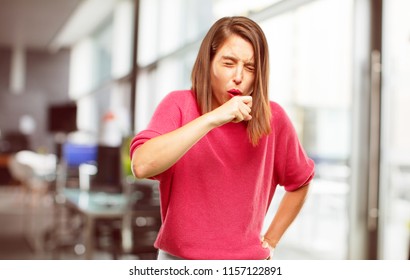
<point x="229" y="57"/>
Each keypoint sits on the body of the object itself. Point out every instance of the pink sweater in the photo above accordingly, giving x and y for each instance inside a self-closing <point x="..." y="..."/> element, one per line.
<point x="214" y="199"/>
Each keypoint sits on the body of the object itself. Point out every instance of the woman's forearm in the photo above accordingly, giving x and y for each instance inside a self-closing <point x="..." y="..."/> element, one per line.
<point x="160" y="153"/>
<point x="289" y="208"/>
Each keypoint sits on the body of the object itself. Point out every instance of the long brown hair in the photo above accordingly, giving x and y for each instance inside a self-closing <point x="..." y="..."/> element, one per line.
<point x="250" y="31"/>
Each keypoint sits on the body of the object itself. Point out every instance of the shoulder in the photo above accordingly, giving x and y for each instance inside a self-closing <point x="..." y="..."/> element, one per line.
<point x="275" y="107"/>
<point x="280" y="119"/>
<point x="181" y="103"/>
<point x="277" y="111"/>
<point x="180" y="97"/>
<point x="177" y="99"/>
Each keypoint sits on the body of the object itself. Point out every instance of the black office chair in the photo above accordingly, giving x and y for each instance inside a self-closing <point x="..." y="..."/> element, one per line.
<point x="143" y="219"/>
<point x="107" y="173"/>
<point x="108" y="178"/>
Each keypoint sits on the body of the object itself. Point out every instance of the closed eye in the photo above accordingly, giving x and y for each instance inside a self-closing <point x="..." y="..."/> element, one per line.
<point x="250" y="67"/>
<point x="228" y="62"/>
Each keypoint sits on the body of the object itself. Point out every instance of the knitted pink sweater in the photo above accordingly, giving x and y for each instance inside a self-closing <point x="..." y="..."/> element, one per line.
<point x="214" y="199"/>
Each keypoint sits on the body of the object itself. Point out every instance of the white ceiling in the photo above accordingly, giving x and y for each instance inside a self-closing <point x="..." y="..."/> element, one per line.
<point x="33" y="24"/>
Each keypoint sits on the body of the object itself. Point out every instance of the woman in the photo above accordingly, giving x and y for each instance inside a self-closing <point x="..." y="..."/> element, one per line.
<point x="220" y="149"/>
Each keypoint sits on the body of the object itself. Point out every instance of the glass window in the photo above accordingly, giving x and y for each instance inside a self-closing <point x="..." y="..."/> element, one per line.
<point x="122" y="39"/>
<point x="103" y="48"/>
<point x="166" y="27"/>
<point x="148" y="32"/>
<point x="82" y="63"/>
<point x="222" y="8"/>
<point x="98" y="62"/>
<point x="395" y="149"/>
<point x="310" y="77"/>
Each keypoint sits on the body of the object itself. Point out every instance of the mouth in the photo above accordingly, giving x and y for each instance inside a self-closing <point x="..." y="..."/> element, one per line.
<point x="234" y="92"/>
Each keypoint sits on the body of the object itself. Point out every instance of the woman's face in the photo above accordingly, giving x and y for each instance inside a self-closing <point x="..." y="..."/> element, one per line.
<point x="232" y="70"/>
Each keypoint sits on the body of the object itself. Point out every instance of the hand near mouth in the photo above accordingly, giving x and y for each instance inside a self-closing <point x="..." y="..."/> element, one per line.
<point x="237" y="109"/>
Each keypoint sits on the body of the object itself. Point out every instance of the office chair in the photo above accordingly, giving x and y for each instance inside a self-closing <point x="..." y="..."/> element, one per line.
<point x="142" y="221"/>
<point x="137" y="231"/>
<point x="105" y="174"/>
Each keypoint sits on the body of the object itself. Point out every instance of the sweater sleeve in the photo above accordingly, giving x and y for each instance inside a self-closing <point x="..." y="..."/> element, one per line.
<point x="166" y="118"/>
<point x="293" y="167"/>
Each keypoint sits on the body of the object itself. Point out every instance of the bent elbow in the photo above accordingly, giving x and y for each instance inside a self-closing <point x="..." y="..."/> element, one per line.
<point x="144" y="167"/>
<point x="139" y="171"/>
<point x="138" y="167"/>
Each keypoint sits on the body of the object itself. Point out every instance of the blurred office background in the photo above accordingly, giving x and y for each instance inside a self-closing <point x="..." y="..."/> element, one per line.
<point x="340" y="69"/>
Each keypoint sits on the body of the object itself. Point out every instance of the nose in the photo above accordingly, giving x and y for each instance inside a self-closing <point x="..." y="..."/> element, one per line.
<point x="238" y="75"/>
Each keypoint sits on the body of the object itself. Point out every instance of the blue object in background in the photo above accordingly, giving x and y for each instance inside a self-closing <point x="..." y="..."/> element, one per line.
<point x="76" y="154"/>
